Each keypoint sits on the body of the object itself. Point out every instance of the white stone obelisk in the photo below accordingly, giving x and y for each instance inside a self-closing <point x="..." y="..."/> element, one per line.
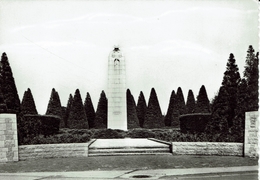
<point x="117" y="117"/>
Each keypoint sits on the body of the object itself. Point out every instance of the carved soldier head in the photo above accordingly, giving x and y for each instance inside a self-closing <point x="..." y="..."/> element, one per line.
<point x="116" y="48"/>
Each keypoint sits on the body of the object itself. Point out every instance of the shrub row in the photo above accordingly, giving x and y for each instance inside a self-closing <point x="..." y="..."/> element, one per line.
<point x="56" y="139"/>
<point x="170" y="135"/>
<point x="30" y="126"/>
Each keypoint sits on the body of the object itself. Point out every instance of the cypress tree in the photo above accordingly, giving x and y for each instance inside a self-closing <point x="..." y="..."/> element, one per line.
<point x="3" y="107"/>
<point x="132" y="119"/>
<point x="8" y="86"/>
<point x="230" y="82"/>
<point x="90" y="112"/>
<point x="242" y="105"/>
<point x="54" y="105"/>
<point x="202" y="101"/>
<point x="63" y="113"/>
<point x="247" y="99"/>
<point x="180" y="102"/>
<point x="169" y="115"/>
<point x="77" y="116"/>
<point x="251" y="75"/>
<point x="153" y="117"/>
<point x="141" y="108"/>
<point x="101" y="113"/>
<point x="191" y="104"/>
<point x="28" y="105"/>
<point x="67" y="112"/>
<point x="220" y="109"/>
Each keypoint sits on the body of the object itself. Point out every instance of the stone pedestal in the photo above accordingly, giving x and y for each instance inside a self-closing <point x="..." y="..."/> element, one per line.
<point x="117" y="117"/>
<point x="8" y="138"/>
<point x="251" y="134"/>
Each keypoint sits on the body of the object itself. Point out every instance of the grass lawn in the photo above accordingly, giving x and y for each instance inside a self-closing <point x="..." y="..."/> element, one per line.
<point x="125" y="163"/>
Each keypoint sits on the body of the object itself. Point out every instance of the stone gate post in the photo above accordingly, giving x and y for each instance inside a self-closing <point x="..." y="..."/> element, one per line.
<point x="251" y="134"/>
<point x="8" y="138"/>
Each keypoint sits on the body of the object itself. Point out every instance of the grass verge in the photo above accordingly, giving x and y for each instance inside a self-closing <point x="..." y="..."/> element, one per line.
<point x="125" y="163"/>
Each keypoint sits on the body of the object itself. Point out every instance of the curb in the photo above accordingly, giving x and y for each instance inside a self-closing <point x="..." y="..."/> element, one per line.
<point x="150" y="173"/>
<point x="157" y="173"/>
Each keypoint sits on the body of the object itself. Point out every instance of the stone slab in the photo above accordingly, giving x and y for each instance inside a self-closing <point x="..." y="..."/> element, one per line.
<point x="125" y="143"/>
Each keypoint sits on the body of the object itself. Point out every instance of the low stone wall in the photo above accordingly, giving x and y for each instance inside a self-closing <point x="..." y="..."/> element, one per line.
<point x="207" y="148"/>
<point x="53" y="151"/>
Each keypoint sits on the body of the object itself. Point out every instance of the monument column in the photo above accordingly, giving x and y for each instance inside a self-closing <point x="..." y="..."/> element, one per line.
<point x="117" y="117"/>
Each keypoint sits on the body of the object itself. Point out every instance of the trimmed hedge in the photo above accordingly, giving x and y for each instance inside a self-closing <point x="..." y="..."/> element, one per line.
<point x="108" y="134"/>
<point x="170" y="135"/>
<point x="56" y="139"/>
<point x="34" y="125"/>
<point x="141" y="133"/>
<point x="194" y="122"/>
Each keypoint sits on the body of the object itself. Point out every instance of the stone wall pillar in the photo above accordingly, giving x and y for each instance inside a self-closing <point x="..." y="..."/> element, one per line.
<point x="251" y="134"/>
<point x="8" y="138"/>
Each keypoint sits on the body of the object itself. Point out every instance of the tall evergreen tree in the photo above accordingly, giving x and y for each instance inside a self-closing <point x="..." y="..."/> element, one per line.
<point x="169" y="115"/>
<point x="28" y="105"/>
<point x="63" y="118"/>
<point x="251" y="75"/>
<point x="101" y="113"/>
<point x="247" y="99"/>
<point x="202" y="105"/>
<point x="90" y="112"/>
<point x="180" y="102"/>
<point x="3" y="107"/>
<point x="153" y="117"/>
<point x="242" y="105"/>
<point x="141" y="108"/>
<point x="191" y="104"/>
<point x="219" y="121"/>
<point x="54" y="105"/>
<point x="132" y="119"/>
<point x="68" y="109"/>
<point x="230" y="82"/>
<point x="8" y="86"/>
<point x="77" y="116"/>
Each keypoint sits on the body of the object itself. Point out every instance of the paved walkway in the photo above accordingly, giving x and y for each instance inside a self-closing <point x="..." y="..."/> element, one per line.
<point x="126" y="142"/>
<point x="124" y="174"/>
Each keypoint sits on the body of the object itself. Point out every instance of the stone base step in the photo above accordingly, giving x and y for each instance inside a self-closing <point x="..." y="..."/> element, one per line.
<point x="130" y="150"/>
<point x="114" y="147"/>
<point x="127" y="154"/>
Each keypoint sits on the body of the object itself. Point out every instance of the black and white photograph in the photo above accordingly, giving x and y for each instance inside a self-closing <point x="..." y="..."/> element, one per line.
<point x="142" y="89"/>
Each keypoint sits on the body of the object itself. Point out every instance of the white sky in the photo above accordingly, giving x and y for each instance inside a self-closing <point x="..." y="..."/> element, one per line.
<point x="167" y="44"/>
